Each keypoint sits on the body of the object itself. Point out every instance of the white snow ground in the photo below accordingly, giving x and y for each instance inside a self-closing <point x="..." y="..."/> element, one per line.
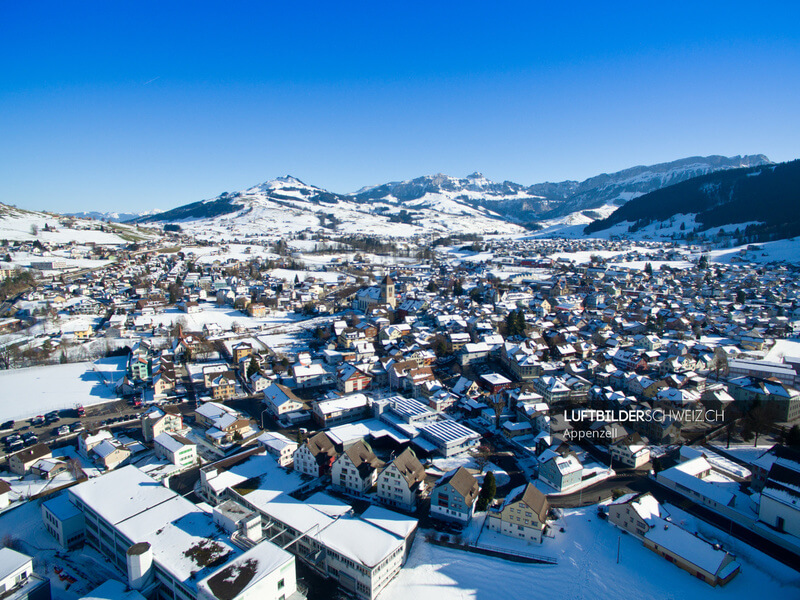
<point x="587" y="569"/>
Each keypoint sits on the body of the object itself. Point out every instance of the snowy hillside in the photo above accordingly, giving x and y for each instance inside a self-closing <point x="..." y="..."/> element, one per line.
<point x="21" y="225"/>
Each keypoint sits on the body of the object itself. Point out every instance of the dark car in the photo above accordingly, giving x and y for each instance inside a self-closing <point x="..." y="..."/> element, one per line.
<point x="7" y="425"/>
<point x="76" y="426"/>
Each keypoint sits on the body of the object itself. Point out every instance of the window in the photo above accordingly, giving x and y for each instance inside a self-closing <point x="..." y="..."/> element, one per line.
<point x="280" y="584"/>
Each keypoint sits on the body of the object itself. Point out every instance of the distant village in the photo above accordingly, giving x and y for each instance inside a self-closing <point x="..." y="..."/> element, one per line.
<point x="258" y="420"/>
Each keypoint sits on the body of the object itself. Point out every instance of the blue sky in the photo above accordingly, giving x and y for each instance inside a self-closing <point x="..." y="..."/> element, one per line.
<point x="138" y="105"/>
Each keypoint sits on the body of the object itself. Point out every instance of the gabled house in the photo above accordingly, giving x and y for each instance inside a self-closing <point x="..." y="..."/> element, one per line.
<point x="561" y="472"/>
<point x="454" y="495"/>
<point x="402" y="481"/>
<point x="356" y="469"/>
<point x="280" y="400"/>
<point x="523" y="514"/>
<point x="316" y="456"/>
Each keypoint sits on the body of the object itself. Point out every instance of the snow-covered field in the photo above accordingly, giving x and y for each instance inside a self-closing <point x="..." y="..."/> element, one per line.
<point x="224" y="316"/>
<point x="586" y="569"/>
<point x="34" y="391"/>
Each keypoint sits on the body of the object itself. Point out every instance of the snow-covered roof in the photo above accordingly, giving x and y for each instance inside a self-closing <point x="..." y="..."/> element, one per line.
<point x="106" y="448"/>
<point x="123" y="493"/>
<point x="171" y="443"/>
<point x="328" y="505"/>
<point x="686" y="545"/>
<point x="359" y="541"/>
<point x="11" y="560"/>
<point x="344" y="403"/>
<point x="244" y="571"/>
<point x="113" y="590"/>
<point x="396" y="523"/>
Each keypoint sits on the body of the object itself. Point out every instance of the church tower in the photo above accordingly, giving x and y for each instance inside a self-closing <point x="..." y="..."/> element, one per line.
<point x="387" y="292"/>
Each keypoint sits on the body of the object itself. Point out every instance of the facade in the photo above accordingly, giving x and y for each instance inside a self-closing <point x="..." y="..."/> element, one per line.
<point x="328" y="413"/>
<point x="361" y="556"/>
<point x="21" y="462"/>
<point x="18" y="580"/>
<point x="780" y="499"/>
<point x="356" y="469"/>
<point x="453" y="496"/>
<point x="161" y="420"/>
<point x="63" y="521"/>
<point x="402" y="481"/>
<point x="316" y="456"/>
<point x="279" y="446"/>
<point x="522" y="515"/>
<point x="280" y="400"/>
<point x="561" y="472"/>
<point x="178" y="450"/>
<point x="783" y="400"/>
<point x="630" y="451"/>
<point x="352" y="379"/>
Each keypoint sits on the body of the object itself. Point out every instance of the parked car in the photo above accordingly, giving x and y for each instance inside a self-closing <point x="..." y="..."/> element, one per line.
<point x="37" y="420"/>
<point x="30" y="440"/>
<point x="63" y="430"/>
<point x="7" y="425"/>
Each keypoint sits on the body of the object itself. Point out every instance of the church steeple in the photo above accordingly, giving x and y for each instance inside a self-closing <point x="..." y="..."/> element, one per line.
<point x="387" y="292"/>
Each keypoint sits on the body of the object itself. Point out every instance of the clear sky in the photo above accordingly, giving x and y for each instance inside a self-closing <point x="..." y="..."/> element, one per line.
<point x="136" y="105"/>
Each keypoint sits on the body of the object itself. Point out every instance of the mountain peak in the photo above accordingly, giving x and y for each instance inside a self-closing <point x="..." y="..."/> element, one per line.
<point x="289" y="179"/>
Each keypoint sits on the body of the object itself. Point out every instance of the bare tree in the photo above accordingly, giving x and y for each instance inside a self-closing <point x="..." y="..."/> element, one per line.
<point x="498" y="404"/>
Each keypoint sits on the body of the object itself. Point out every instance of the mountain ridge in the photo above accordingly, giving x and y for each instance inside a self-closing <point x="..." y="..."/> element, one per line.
<point x="430" y="196"/>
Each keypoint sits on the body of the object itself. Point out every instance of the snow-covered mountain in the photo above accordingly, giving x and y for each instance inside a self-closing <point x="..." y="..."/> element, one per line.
<point x="287" y="204"/>
<point x="114" y="217"/>
<point x="436" y="203"/>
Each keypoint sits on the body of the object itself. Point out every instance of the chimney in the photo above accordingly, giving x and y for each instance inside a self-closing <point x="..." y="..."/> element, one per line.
<point x="140" y="566"/>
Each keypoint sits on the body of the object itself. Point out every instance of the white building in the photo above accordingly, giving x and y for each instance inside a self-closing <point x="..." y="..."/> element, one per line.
<point x="279" y="446"/>
<point x="402" y="481"/>
<point x="356" y="469"/>
<point x="165" y="544"/>
<point x="17" y="579"/>
<point x="178" y="450"/>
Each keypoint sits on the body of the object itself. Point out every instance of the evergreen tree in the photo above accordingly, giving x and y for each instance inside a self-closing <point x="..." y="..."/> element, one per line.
<point x="703" y="262"/>
<point x="793" y="437"/>
<point x="488" y="491"/>
<point x="252" y="368"/>
<point x="458" y="288"/>
<point x="648" y="268"/>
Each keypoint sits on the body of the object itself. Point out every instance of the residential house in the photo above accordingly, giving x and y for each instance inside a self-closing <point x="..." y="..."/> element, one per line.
<point x="356" y="469"/>
<point x="176" y="449"/>
<point x="316" y="456"/>
<point x="561" y="472"/>
<point x="161" y="420"/>
<point x="21" y="462"/>
<point x="453" y="496"/>
<point x="523" y="514"/>
<point x="402" y="481"/>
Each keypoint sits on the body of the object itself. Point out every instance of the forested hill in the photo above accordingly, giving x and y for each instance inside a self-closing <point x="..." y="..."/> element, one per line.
<point x="767" y="194"/>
